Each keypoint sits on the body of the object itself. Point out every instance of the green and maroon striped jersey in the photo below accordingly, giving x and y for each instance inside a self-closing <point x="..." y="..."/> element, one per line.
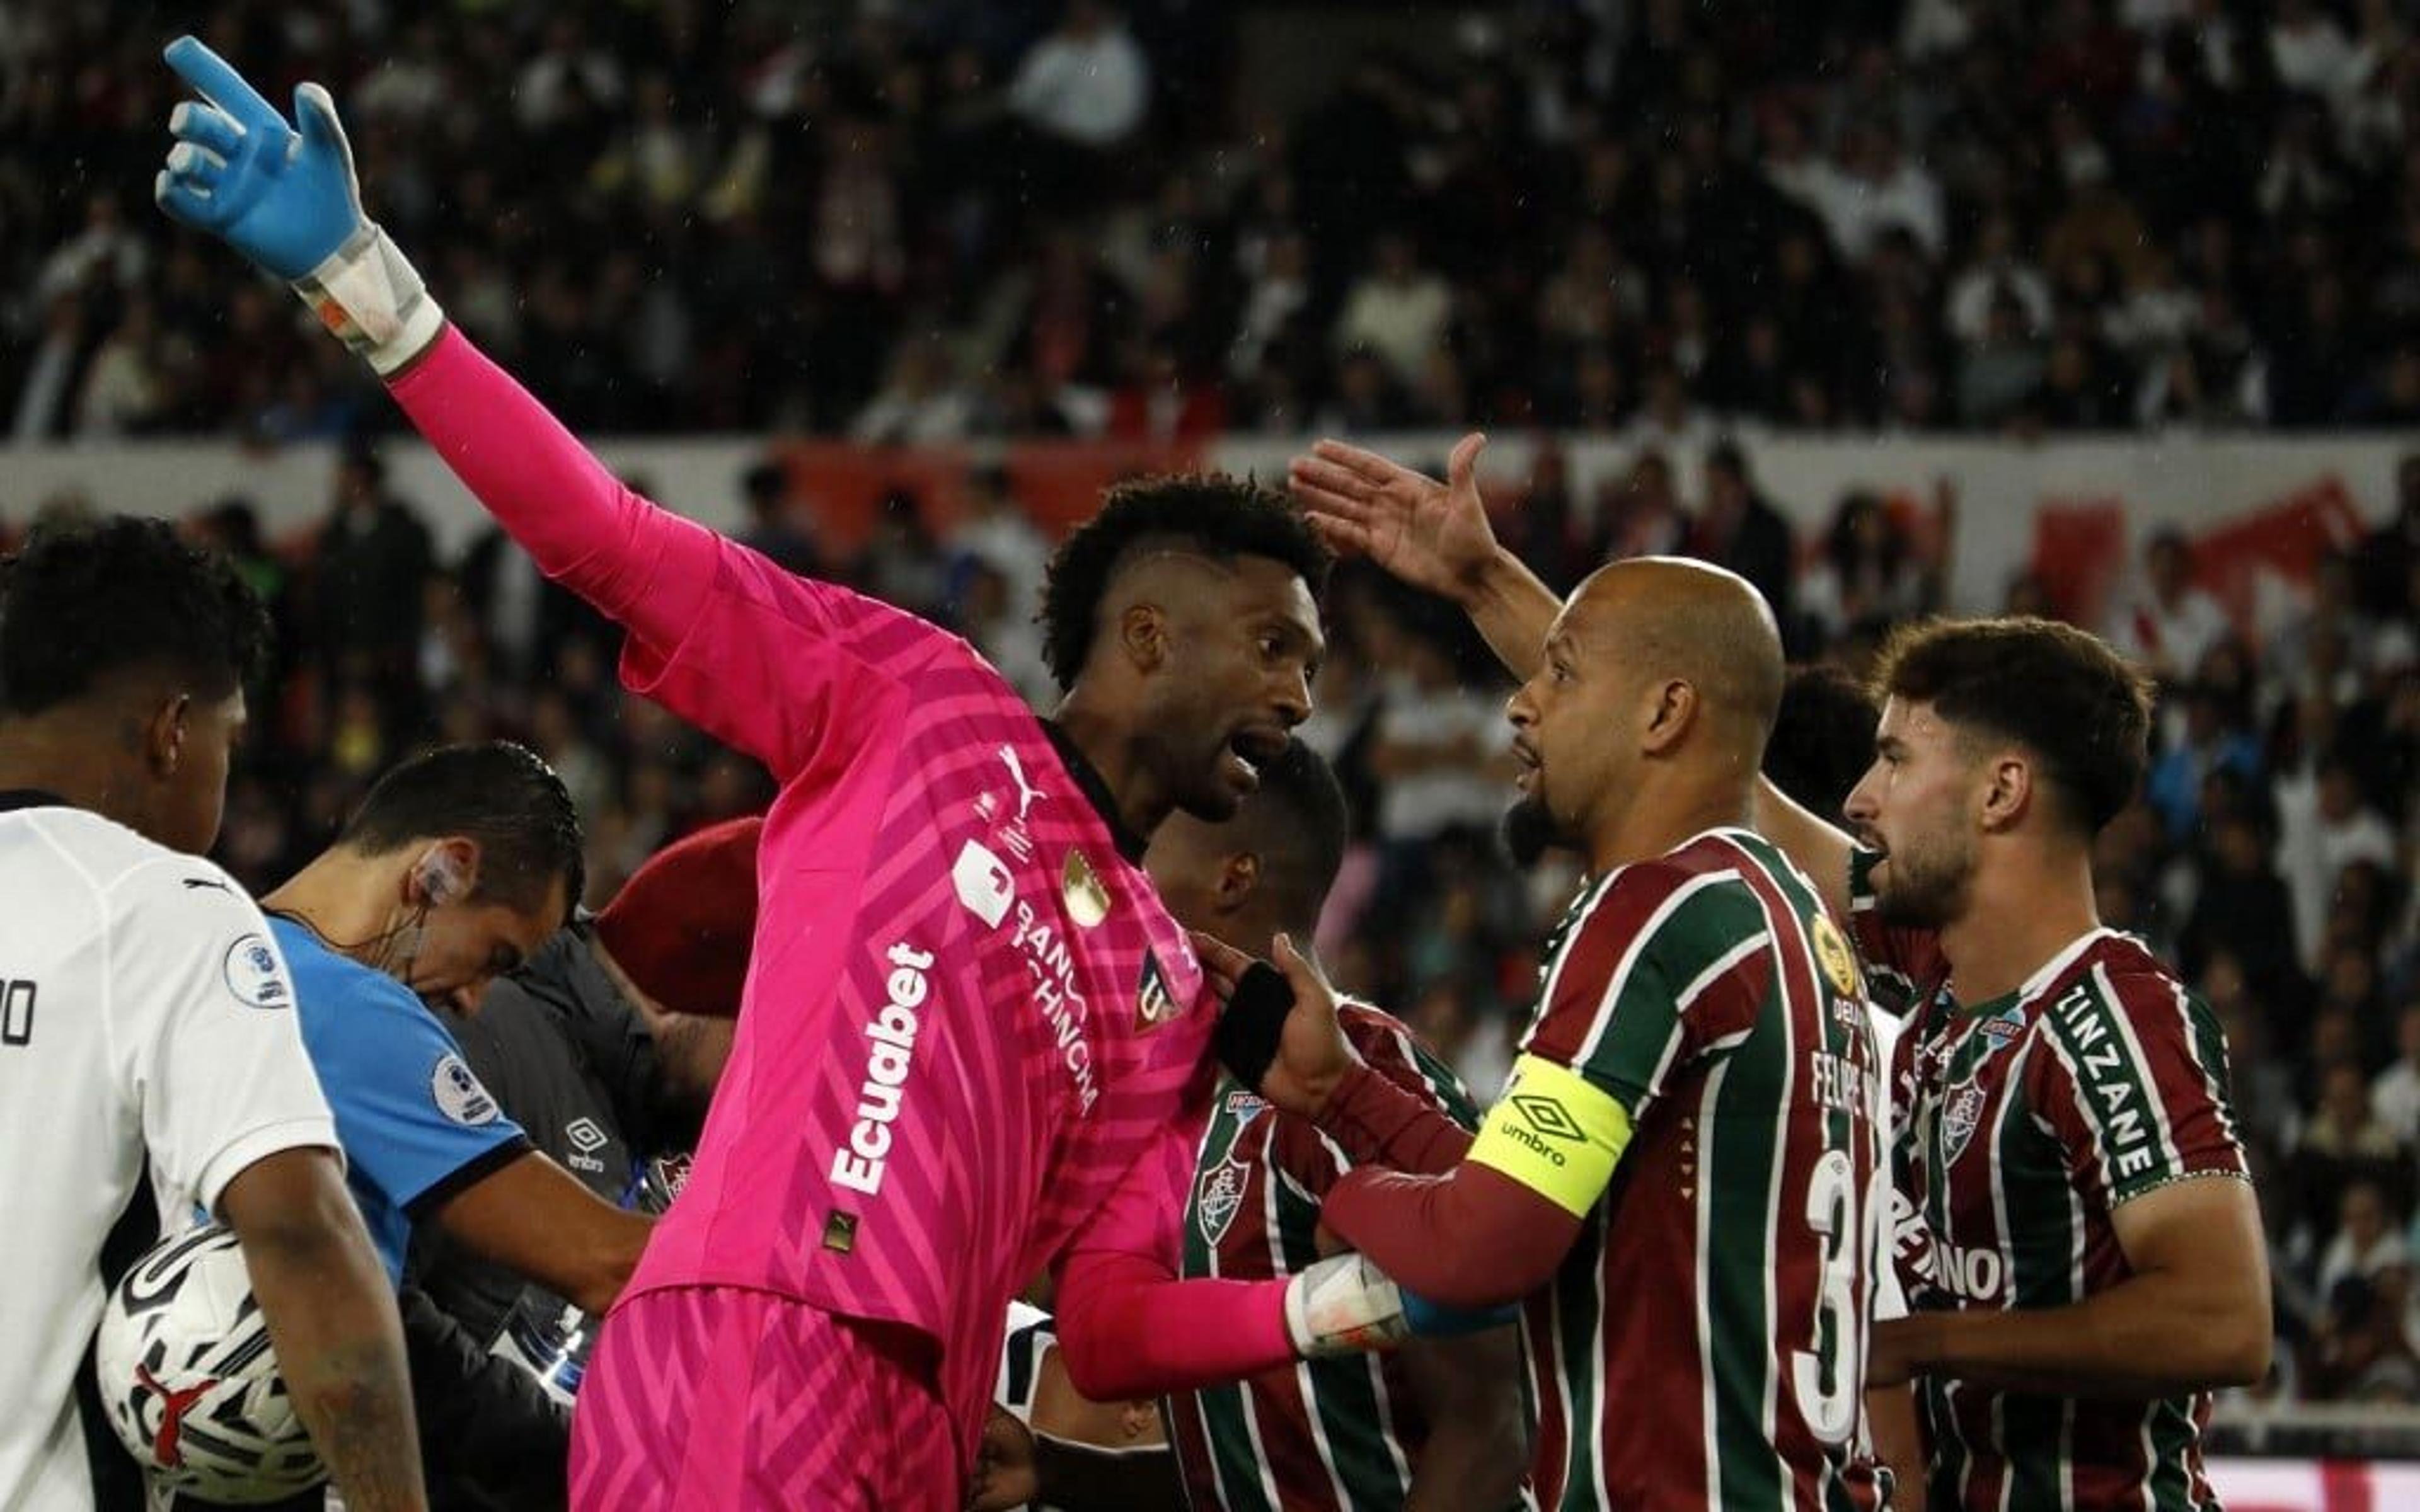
<point x="1702" y="1345"/>
<point x="2021" y="1124"/>
<point x="1339" y="1435"/>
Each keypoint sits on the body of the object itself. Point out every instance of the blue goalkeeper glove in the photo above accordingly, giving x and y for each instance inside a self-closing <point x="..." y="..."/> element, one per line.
<point x="288" y="200"/>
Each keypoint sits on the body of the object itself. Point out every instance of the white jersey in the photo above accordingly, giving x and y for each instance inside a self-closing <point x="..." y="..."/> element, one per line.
<point x="1027" y="1344"/>
<point x="1884" y="1203"/>
<point x="147" y="1023"/>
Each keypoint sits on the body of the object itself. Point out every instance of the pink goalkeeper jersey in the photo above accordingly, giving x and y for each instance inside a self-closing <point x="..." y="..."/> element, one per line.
<point x="971" y="1039"/>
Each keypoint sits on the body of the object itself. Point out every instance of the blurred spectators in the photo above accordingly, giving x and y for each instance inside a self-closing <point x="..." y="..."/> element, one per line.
<point x="1654" y="224"/>
<point x="1915" y="216"/>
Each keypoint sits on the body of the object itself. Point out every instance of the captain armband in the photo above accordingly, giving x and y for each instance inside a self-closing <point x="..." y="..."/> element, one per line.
<point x="1555" y="1132"/>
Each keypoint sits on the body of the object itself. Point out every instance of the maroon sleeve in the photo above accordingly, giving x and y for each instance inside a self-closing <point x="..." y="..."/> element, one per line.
<point x="1379" y="1122"/>
<point x="2134" y="1086"/>
<point x="1475" y="1238"/>
<point x="1315" y="1159"/>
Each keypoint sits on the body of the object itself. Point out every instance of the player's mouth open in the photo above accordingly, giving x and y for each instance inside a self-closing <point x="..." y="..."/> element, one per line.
<point x="1251" y="749"/>
<point x="1526" y="777"/>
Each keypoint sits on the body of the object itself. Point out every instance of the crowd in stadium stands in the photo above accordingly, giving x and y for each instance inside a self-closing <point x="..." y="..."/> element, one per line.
<point x="923" y="219"/>
<point x="925" y="222"/>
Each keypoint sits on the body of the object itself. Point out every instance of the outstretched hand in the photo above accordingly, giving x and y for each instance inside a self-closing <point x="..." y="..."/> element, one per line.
<point x="284" y="197"/>
<point x="1433" y="536"/>
<point x="1313" y="1053"/>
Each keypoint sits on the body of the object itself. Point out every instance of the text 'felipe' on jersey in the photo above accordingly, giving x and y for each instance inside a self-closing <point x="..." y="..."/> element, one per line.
<point x="1703" y="1343"/>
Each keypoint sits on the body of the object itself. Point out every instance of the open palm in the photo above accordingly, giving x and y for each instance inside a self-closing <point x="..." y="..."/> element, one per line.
<point x="1433" y="536"/>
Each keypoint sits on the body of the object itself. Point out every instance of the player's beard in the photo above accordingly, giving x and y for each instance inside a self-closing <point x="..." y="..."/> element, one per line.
<point x="1926" y="887"/>
<point x="1531" y="830"/>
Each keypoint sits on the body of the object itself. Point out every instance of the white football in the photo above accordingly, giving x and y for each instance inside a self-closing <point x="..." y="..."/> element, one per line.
<point x="190" y="1383"/>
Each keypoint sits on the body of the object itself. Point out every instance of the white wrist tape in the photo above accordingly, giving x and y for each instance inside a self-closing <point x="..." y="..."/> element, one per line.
<point x="368" y="294"/>
<point x="1343" y="1306"/>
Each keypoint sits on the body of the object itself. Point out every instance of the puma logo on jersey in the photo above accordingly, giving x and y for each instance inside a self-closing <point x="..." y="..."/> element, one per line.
<point x="1026" y="792"/>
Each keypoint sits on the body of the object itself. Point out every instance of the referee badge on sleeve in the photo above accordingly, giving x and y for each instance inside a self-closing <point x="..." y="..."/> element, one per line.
<point x="459" y="1095"/>
<point x="253" y="975"/>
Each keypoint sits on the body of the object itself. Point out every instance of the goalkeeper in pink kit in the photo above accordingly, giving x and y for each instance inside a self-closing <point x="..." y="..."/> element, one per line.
<point x="972" y="1045"/>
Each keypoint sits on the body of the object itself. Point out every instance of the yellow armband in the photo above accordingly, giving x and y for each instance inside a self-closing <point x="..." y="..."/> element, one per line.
<point x="1555" y="1132"/>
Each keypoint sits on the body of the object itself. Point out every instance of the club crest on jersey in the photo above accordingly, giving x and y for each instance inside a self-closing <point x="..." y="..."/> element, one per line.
<point x="1220" y="1195"/>
<point x="1154" y="1003"/>
<point x="667" y="1175"/>
<point x="1963" y="1111"/>
<point x="1082" y="890"/>
<point x="1832" y="954"/>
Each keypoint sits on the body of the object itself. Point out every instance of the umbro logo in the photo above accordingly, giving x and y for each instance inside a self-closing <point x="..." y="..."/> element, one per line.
<point x="1546" y="1116"/>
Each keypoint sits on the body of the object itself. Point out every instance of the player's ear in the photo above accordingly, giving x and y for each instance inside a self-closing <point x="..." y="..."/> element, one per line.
<point x="2008" y="790"/>
<point x="1143" y="635"/>
<point x="446" y="872"/>
<point x="164" y="734"/>
<point x="1672" y="709"/>
<point x="1238" y="875"/>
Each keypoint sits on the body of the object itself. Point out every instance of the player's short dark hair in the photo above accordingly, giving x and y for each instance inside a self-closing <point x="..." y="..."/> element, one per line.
<point x="83" y="602"/>
<point x="1219" y="515"/>
<point x="502" y="796"/>
<point x="2059" y="692"/>
<point x="1299" y="826"/>
<point x="1822" y="738"/>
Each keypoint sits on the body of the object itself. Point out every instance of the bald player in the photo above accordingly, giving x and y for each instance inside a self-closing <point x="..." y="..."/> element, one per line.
<point x="1677" y="1181"/>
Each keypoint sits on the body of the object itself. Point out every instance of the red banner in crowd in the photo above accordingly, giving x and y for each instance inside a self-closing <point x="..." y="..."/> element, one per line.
<point x="2080" y="548"/>
<point x="1058" y="482"/>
